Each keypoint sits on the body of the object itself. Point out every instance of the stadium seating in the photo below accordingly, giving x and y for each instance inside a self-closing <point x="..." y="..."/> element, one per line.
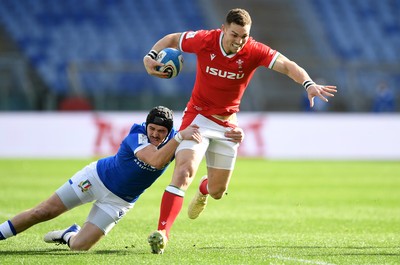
<point x="362" y="30"/>
<point x="365" y="36"/>
<point x="95" y="47"/>
<point x="103" y="40"/>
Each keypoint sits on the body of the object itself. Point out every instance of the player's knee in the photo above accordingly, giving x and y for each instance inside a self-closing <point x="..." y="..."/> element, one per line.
<point x="216" y="193"/>
<point x="185" y="173"/>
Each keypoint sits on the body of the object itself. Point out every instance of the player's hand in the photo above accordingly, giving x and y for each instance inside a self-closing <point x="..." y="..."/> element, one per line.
<point x="191" y="133"/>
<point x="150" y="65"/>
<point x="320" y="91"/>
<point x="235" y="135"/>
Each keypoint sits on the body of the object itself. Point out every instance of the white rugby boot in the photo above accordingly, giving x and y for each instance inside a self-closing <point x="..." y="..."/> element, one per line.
<point x="61" y="236"/>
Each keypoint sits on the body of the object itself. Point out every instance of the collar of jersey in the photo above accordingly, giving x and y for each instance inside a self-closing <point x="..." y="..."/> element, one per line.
<point x="221" y="36"/>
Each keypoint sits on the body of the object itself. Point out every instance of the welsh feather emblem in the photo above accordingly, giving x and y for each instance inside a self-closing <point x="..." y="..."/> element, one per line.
<point x="85" y="185"/>
<point x="240" y="65"/>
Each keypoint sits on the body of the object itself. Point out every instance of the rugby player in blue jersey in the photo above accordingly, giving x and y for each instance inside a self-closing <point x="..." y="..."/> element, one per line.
<point x="114" y="183"/>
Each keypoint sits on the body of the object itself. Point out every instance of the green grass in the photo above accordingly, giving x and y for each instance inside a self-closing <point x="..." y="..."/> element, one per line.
<point x="276" y="212"/>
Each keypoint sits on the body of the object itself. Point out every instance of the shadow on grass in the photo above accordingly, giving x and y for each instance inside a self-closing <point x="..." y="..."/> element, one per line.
<point x="63" y="252"/>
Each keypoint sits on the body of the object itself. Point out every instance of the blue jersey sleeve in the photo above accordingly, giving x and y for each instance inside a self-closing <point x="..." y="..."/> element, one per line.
<point x="124" y="174"/>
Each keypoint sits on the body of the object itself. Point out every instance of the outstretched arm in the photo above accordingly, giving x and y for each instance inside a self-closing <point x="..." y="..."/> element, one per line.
<point x="298" y="74"/>
<point x="158" y="158"/>
<point x="169" y="41"/>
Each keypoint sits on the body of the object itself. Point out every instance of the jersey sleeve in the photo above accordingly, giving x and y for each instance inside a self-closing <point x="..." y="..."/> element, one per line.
<point x="191" y="41"/>
<point x="136" y="139"/>
<point x="267" y="56"/>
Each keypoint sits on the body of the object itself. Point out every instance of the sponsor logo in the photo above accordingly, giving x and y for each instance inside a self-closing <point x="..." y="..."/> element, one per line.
<point x="224" y="74"/>
<point x="145" y="166"/>
<point x="191" y="34"/>
<point x="85" y="185"/>
<point x="142" y="139"/>
<point x="121" y="214"/>
<point x="212" y="56"/>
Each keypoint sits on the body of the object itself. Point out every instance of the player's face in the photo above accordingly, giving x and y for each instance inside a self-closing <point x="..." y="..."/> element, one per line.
<point x="156" y="133"/>
<point x="235" y="37"/>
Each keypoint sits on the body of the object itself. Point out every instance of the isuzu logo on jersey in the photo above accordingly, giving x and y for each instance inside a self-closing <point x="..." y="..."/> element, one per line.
<point x="223" y="74"/>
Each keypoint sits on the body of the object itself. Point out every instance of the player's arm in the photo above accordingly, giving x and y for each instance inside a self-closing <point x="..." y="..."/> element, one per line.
<point x="158" y="158"/>
<point x="298" y="74"/>
<point x="168" y="41"/>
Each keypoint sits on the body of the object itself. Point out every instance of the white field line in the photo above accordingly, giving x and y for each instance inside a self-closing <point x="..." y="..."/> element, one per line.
<point x="301" y="260"/>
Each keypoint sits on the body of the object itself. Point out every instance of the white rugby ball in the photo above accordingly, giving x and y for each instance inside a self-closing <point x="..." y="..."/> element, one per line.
<point x="172" y="60"/>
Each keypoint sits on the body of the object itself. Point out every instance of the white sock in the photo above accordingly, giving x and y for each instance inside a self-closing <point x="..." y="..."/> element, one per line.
<point x="68" y="236"/>
<point x="7" y="230"/>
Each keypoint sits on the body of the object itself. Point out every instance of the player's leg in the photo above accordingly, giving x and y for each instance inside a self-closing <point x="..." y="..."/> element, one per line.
<point x="187" y="160"/>
<point x="221" y="158"/>
<point x="71" y="196"/>
<point x="97" y="225"/>
<point x="64" y="199"/>
<point x="215" y="184"/>
<point x="48" y="209"/>
<point x="186" y="164"/>
<point x="105" y="213"/>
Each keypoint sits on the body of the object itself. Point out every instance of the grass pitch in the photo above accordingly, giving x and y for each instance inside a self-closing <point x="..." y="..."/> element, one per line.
<point x="276" y="212"/>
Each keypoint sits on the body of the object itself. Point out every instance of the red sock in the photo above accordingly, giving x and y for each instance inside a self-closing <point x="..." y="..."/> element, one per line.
<point x="203" y="187"/>
<point x="171" y="205"/>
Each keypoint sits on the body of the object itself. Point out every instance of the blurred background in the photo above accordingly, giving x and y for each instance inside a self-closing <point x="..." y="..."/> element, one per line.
<point x="87" y="54"/>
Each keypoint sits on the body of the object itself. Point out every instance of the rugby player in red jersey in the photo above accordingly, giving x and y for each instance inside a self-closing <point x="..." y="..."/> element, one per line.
<point x="226" y="61"/>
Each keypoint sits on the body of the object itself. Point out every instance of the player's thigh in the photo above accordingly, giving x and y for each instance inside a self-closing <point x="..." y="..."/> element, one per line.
<point x="187" y="161"/>
<point x="81" y="188"/>
<point x="221" y="159"/>
<point x="221" y="154"/>
<point x="53" y="206"/>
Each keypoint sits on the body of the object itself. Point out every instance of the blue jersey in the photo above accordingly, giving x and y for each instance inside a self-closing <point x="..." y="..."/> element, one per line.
<point x="124" y="174"/>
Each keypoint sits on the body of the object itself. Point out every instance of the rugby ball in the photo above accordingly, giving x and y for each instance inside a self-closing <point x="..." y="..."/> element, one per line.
<point x="172" y="60"/>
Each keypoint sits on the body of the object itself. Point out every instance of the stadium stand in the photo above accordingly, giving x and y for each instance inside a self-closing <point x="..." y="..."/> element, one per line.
<point x="365" y="37"/>
<point x="97" y="46"/>
<point x="362" y="30"/>
<point x="94" y="48"/>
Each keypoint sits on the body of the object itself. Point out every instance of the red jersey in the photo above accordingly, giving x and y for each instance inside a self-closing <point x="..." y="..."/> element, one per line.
<point x="222" y="79"/>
